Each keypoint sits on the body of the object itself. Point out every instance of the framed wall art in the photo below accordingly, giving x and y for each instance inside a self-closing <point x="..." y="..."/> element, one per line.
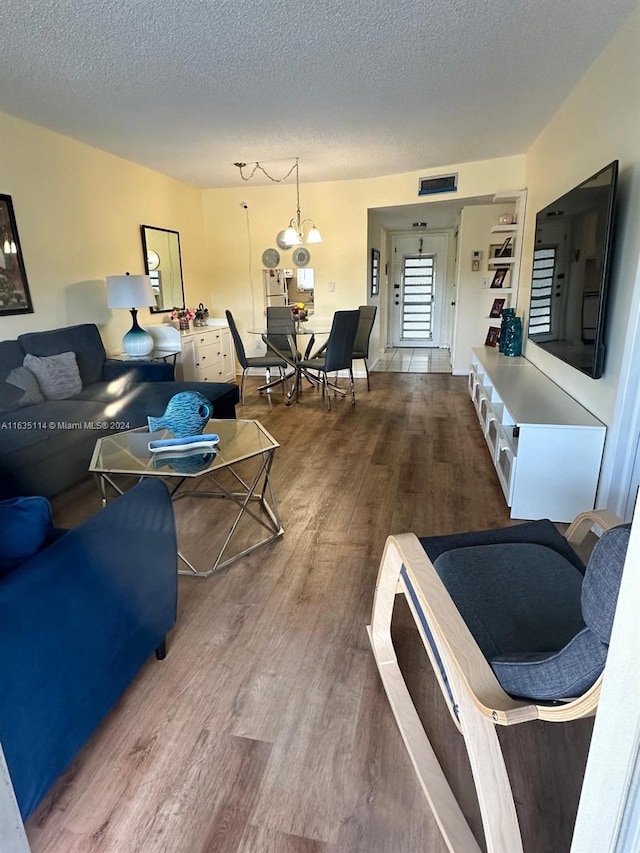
<point x="499" y="277"/>
<point x="375" y="272"/>
<point x="493" y="336"/>
<point x="14" y="290"/>
<point x="496" y="308"/>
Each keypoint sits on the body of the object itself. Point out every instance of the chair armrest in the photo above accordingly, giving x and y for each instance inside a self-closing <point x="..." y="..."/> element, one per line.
<point x="466" y="667"/>
<point x="137" y="371"/>
<point x="586" y="521"/>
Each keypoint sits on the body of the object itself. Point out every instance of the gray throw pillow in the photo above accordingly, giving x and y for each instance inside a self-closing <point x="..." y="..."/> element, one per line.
<point x="58" y="375"/>
<point x="25" y="380"/>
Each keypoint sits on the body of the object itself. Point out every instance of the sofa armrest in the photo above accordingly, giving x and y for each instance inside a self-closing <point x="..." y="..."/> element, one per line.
<point x="138" y="371"/>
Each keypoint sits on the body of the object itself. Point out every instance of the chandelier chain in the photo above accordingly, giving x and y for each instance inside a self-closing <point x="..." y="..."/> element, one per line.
<point x="258" y="167"/>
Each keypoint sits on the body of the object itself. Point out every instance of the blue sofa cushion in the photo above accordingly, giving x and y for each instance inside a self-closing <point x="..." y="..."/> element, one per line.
<point x="25" y="526"/>
<point x="84" y="340"/>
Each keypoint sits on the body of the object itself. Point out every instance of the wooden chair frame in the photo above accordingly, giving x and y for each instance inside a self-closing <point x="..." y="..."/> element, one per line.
<point x="476" y="701"/>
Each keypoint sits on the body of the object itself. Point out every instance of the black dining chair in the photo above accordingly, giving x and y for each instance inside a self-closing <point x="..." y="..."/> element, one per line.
<point x="266" y="361"/>
<point x="363" y="335"/>
<point x="281" y="331"/>
<point x="336" y="355"/>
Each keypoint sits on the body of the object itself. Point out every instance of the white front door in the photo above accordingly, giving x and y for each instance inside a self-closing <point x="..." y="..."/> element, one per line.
<point x="419" y="274"/>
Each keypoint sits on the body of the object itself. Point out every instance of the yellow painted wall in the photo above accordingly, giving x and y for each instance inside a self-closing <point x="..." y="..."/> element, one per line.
<point x="78" y="212"/>
<point x="237" y="238"/>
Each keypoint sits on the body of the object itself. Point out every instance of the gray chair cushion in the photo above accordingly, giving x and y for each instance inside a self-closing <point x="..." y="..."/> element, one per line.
<point x="515" y="598"/>
<point x="602" y="580"/>
<point x="563" y="674"/>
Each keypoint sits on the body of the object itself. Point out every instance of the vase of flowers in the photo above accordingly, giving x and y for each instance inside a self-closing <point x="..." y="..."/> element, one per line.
<point x="299" y="314"/>
<point x="184" y="316"/>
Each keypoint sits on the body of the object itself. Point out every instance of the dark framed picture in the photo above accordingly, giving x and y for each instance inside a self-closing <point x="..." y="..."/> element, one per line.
<point x="14" y="290"/>
<point x="496" y="308"/>
<point x="500" y="250"/>
<point x="493" y="336"/>
<point x="499" y="277"/>
<point x="375" y="272"/>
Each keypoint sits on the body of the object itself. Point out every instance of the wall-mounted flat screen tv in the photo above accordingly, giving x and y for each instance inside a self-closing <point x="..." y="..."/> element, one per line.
<point x="571" y="261"/>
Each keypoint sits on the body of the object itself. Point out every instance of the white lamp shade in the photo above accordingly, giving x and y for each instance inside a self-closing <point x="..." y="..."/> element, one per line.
<point x="291" y="236"/>
<point x="314" y="236"/>
<point x="129" y="291"/>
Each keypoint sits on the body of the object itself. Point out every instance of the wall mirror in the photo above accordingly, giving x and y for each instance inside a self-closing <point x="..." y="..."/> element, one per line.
<point x="163" y="264"/>
<point x="287" y="286"/>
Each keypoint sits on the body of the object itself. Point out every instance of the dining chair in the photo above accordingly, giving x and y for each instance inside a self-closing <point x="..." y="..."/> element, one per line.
<point x="516" y="628"/>
<point x="281" y="331"/>
<point x="361" y="343"/>
<point x="267" y="362"/>
<point x="336" y="355"/>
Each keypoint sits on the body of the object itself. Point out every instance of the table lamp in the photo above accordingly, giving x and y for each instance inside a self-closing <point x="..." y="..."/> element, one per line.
<point x="132" y="292"/>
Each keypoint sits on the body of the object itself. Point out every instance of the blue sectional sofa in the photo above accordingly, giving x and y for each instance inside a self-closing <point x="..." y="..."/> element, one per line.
<point x="79" y="616"/>
<point x="46" y="446"/>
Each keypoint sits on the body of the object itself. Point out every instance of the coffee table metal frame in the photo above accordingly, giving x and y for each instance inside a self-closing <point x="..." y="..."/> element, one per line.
<point x="256" y="489"/>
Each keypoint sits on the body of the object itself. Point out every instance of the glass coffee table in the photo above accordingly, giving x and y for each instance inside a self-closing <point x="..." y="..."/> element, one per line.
<point x="243" y="458"/>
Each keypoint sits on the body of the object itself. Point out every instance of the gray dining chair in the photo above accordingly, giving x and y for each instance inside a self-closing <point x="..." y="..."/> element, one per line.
<point x="336" y="355"/>
<point x="363" y="335"/>
<point x="266" y="362"/>
<point x="281" y="331"/>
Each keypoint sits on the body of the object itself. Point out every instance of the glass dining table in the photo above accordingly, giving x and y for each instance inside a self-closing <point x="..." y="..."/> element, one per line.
<point x="290" y="355"/>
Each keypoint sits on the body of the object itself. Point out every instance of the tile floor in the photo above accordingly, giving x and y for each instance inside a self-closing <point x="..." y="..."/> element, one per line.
<point x="408" y="360"/>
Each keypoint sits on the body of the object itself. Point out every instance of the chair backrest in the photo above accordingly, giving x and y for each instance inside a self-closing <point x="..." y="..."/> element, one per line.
<point x="339" y="352"/>
<point x="280" y="325"/>
<point x="237" y="340"/>
<point x="602" y="580"/>
<point x="365" y="325"/>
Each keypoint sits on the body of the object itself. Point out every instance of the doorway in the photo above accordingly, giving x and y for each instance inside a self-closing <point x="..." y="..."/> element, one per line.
<point x="417" y="289"/>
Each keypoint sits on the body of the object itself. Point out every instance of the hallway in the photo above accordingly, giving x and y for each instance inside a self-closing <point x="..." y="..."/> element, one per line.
<point x="414" y="360"/>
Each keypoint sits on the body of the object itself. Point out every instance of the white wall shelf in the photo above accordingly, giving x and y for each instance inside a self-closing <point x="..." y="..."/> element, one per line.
<point x="546" y="447"/>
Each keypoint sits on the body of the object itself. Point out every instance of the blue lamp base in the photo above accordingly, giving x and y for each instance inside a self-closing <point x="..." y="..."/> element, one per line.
<point x="137" y="342"/>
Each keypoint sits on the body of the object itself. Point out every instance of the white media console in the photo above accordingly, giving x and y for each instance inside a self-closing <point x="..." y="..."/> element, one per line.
<point x="546" y="447"/>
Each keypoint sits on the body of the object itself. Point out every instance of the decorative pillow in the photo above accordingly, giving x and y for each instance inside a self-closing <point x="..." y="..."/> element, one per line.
<point x="25" y="380"/>
<point x="25" y="525"/>
<point x="58" y="375"/>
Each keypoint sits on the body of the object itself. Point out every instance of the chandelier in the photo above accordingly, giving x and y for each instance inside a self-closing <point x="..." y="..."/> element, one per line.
<point x="293" y="234"/>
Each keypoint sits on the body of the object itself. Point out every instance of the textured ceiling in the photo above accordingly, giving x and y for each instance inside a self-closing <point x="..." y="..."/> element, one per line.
<point x="355" y="89"/>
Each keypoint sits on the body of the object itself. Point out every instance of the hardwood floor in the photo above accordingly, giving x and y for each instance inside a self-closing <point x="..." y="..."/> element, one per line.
<point x="266" y="729"/>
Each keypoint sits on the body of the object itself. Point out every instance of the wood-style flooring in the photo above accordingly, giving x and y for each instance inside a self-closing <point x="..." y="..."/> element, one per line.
<point x="266" y="729"/>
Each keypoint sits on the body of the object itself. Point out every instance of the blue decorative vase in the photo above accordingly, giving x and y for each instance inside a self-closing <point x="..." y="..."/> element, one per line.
<point x="137" y="342"/>
<point x="513" y="336"/>
<point x="508" y="314"/>
<point x="187" y="413"/>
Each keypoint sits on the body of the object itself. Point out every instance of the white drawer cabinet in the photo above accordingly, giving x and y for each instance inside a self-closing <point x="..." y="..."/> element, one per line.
<point x="206" y="355"/>
<point x="546" y="447"/>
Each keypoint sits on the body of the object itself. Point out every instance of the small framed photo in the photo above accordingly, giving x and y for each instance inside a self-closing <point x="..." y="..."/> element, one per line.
<point x="499" y="277"/>
<point x="14" y="290"/>
<point x="500" y="250"/>
<point x="375" y="272"/>
<point x="496" y="308"/>
<point x="493" y="336"/>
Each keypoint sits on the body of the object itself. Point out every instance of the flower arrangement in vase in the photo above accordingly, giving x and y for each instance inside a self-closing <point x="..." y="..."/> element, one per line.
<point x="299" y="314"/>
<point x="184" y="316"/>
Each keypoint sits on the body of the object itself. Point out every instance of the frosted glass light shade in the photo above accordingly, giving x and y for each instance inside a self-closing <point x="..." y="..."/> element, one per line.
<point x="314" y="236"/>
<point x="291" y="236"/>
<point x="129" y="291"/>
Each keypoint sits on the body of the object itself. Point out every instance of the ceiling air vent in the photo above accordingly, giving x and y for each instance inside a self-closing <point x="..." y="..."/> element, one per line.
<point x="438" y="184"/>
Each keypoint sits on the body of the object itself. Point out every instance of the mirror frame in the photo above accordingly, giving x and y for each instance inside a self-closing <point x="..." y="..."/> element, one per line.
<point x="145" y="249"/>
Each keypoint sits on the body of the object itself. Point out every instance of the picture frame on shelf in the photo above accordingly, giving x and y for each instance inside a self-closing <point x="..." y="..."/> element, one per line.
<point x="375" y="272"/>
<point x="499" y="278"/>
<point x="505" y="249"/>
<point x="496" y="308"/>
<point x="14" y="289"/>
<point x="493" y="336"/>
<point x="499" y="250"/>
